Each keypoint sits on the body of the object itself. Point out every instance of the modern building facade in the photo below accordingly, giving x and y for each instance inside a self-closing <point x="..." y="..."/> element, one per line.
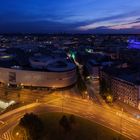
<point x="37" y="78"/>
<point x="39" y="70"/>
<point x="123" y="84"/>
<point x="127" y="92"/>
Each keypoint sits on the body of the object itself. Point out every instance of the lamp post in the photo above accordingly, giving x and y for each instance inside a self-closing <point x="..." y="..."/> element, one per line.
<point x="21" y="134"/>
<point x="109" y="99"/>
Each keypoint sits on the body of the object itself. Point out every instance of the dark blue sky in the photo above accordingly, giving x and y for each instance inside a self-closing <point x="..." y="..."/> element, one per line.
<point x="45" y="16"/>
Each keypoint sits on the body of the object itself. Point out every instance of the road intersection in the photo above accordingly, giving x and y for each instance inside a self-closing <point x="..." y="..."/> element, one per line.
<point x="62" y="102"/>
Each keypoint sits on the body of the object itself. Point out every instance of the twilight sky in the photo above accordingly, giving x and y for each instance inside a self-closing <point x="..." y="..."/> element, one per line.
<point x="87" y="16"/>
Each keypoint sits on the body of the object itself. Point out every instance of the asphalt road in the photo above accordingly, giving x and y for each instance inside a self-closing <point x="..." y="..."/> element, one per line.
<point x="58" y="102"/>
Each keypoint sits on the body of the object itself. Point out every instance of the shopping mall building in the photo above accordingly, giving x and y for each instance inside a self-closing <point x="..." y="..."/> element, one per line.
<point x="53" y="69"/>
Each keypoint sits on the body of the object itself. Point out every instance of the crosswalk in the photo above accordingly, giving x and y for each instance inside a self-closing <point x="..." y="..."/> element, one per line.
<point x="6" y="136"/>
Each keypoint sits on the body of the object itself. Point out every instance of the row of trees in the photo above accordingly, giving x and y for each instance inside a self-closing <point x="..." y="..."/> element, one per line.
<point x="33" y="127"/>
<point x="81" y="84"/>
<point x="105" y="91"/>
<point x="85" y="73"/>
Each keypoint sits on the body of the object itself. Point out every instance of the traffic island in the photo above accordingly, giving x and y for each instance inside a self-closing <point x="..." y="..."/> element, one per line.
<point x="60" y="126"/>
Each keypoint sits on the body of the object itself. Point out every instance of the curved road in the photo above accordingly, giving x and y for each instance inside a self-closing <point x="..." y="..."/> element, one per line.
<point x="115" y="120"/>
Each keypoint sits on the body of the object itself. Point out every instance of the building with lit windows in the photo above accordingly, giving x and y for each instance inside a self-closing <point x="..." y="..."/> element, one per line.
<point x="124" y="84"/>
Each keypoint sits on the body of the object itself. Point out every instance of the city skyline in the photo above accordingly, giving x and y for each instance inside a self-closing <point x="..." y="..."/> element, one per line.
<point x="81" y="16"/>
<point x="94" y="77"/>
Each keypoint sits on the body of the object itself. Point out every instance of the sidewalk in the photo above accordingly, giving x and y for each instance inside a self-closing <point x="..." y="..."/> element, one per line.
<point x="118" y="105"/>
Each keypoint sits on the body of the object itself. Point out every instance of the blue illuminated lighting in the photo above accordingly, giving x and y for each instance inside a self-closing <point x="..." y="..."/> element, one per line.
<point x="133" y="44"/>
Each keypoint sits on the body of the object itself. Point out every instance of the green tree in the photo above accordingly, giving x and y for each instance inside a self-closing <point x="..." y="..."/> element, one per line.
<point x="64" y="122"/>
<point x="106" y="92"/>
<point x="81" y="84"/>
<point x="103" y="86"/>
<point x="85" y="72"/>
<point x="33" y="126"/>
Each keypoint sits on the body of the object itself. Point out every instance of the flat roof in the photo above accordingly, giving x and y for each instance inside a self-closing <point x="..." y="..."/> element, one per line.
<point x="126" y="74"/>
<point x="61" y="66"/>
<point x="21" y="61"/>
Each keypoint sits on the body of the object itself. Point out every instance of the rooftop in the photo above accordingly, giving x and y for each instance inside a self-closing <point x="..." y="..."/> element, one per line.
<point x="130" y="75"/>
<point x="43" y="60"/>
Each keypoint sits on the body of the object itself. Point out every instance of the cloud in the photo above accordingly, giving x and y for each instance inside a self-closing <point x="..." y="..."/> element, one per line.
<point x="48" y="26"/>
<point x="133" y="25"/>
<point x="69" y="16"/>
<point x="132" y="16"/>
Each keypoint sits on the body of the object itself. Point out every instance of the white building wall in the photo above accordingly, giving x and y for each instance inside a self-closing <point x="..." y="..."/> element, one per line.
<point x="36" y="78"/>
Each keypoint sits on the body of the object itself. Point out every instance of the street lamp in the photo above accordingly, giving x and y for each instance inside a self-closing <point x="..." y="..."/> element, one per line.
<point x="86" y="92"/>
<point x="22" y="85"/>
<point x="21" y="134"/>
<point x="17" y="133"/>
<point x="109" y="98"/>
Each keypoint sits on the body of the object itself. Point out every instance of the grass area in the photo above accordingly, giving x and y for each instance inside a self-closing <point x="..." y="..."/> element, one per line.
<point x="84" y="129"/>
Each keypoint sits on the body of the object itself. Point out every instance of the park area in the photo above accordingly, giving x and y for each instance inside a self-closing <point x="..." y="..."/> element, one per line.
<point x="59" y="126"/>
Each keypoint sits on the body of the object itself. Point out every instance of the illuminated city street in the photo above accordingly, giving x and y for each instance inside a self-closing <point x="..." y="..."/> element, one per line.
<point x="58" y="102"/>
<point x="70" y="70"/>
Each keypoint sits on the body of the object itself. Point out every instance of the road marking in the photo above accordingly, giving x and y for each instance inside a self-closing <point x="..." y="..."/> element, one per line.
<point x="7" y="136"/>
<point x="102" y="120"/>
<point x="134" y="129"/>
<point x="135" y="135"/>
<point x="2" y="123"/>
<point x="112" y="124"/>
<point x="126" y="129"/>
<point x="89" y="117"/>
<point x="93" y="116"/>
<point x="127" y="134"/>
<point x="91" y="113"/>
